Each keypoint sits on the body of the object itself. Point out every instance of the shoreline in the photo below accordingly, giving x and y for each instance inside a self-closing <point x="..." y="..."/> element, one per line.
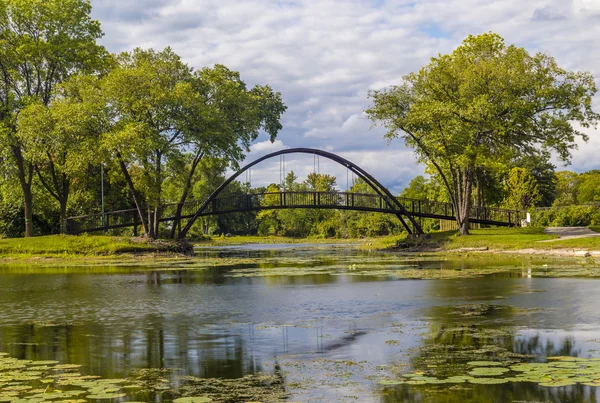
<point x="559" y="252"/>
<point x="116" y="250"/>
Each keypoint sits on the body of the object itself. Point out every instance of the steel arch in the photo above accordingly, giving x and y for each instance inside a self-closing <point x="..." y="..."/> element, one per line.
<point x="361" y="173"/>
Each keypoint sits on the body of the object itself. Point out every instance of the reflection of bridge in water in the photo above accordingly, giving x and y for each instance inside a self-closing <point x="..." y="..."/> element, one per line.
<point x="381" y="201"/>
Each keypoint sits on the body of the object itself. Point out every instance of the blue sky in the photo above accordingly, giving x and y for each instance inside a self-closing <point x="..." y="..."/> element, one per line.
<point x="324" y="56"/>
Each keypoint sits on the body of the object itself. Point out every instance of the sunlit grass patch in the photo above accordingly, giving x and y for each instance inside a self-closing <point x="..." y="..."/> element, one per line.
<point x="66" y="245"/>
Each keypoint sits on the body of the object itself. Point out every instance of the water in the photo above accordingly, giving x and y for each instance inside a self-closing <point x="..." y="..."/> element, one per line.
<point x="332" y="334"/>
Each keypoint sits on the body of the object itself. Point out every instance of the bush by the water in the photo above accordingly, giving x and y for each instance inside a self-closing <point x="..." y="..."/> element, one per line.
<point x="567" y="216"/>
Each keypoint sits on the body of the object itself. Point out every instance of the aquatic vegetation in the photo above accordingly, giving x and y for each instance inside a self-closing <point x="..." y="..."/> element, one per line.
<point x="556" y="372"/>
<point x="45" y="381"/>
<point x="250" y="388"/>
<point x="484" y="363"/>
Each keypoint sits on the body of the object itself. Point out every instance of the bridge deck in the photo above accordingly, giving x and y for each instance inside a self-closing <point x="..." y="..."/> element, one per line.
<point x="280" y="200"/>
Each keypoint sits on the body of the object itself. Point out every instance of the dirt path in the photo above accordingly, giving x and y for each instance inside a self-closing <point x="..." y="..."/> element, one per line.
<point x="570" y="233"/>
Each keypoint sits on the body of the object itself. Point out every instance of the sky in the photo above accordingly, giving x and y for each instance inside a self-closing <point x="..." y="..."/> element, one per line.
<point x="325" y="55"/>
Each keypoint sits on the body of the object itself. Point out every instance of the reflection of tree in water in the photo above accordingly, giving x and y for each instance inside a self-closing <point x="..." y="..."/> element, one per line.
<point x="155" y="342"/>
<point x="535" y="345"/>
<point x="509" y="392"/>
<point x="461" y="333"/>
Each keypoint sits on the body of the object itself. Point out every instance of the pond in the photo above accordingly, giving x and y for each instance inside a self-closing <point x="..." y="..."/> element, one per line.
<point x="307" y="323"/>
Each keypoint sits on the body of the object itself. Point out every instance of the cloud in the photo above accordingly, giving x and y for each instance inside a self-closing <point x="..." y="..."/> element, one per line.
<point x="265" y="147"/>
<point x="324" y="56"/>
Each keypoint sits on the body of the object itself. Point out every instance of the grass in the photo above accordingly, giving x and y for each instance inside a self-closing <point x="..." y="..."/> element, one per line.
<point x="255" y="239"/>
<point x="503" y="239"/>
<point x="83" y="245"/>
<point x="595" y="228"/>
<point x="88" y="246"/>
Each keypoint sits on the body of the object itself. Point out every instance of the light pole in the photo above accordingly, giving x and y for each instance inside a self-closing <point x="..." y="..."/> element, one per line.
<point x="102" y="190"/>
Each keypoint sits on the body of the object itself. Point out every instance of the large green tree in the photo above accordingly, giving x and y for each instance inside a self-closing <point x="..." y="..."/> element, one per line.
<point x="480" y="105"/>
<point x="42" y="42"/>
<point x="59" y="143"/>
<point x="153" y="112"/>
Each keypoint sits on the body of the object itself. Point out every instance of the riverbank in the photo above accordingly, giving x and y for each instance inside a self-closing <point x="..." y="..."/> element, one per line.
<point x="518" y="241"/>
<point x="96" y="249"/>
<point x="65" y="246"/>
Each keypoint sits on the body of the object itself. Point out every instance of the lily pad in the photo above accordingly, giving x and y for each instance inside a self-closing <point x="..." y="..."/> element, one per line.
<point x="195" y="399"/>
<point x="488" y="381"/>
<point x="484" y="364"/>
<point x="102" y="396"/>
<point x="488" y="371"/>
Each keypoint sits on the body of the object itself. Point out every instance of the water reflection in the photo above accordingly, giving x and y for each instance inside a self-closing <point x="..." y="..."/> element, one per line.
<point x="209" y="323"/>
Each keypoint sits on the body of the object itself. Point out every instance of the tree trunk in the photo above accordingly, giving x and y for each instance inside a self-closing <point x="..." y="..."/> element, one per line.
<point x="158" y="190"/>
<point x="186" y="189"/>
<point x="66" y="184"/>
<point x="465" y="202"/>
<point x="63" y="218"/>
<point x="25" y="173"/>
<point x="138" y="205"/>
<point x="59" y="190"/>
<point x="28" y="210"/>
<point x="150" y="232"/>
<point x="156" y="221"/>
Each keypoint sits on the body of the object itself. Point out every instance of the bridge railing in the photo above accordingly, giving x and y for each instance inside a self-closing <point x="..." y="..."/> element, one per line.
<point x="93" y="222"/>
<point x="437" y="209"/>
<point x="303" y="199"/>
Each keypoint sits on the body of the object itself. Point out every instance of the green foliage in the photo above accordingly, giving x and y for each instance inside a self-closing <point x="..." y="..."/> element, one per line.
<point x="540" y="167"/>
<point x="567" y="187"/>
<point x="522" y="190"/>
<point x="567" y="216"/>
<point x="154" y="113"/>
<point x="482" y="104"/>
<point x="589" y="188"/>
<point x="577" y="189"/>
<point x="321" y="182"/>
<point x="43" y="43"/>
<point x="419" y="188"/>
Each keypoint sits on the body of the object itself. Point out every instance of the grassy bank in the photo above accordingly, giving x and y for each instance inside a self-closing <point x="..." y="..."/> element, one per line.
<point x="502" y="239"/>
<point x="493" y="239"/>
<point x="85" y="245"/>
<point x="370" y="243"/>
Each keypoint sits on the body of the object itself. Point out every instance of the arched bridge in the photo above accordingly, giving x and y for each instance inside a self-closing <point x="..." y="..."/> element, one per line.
<point x="380" y="201"/>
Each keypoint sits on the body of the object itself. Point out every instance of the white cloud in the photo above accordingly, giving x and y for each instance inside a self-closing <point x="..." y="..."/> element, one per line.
<point x="325" y="55"/>
<point x="265" y="147"/>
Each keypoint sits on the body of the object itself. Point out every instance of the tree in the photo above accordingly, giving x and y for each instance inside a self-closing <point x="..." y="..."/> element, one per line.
<point x="522" y="190"/>
<point x="418" y="189"/>
<point x="320" y="182"/>
<point x="165" y="111"/>
<point x="148" y="92"/>
<point x="58" y="142"/>
<point x="232" y="116"/>
<point x="567" y="188"/>
<point x="481" y="104"/>
<point x="539" y="165"/>
<point x="589" y="187"/>
<point x="154" y="113"/>
<point x="43" y="42"/>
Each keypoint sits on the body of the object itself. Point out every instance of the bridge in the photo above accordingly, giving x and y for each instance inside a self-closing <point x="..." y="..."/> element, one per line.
<point x="381" y="201"/>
